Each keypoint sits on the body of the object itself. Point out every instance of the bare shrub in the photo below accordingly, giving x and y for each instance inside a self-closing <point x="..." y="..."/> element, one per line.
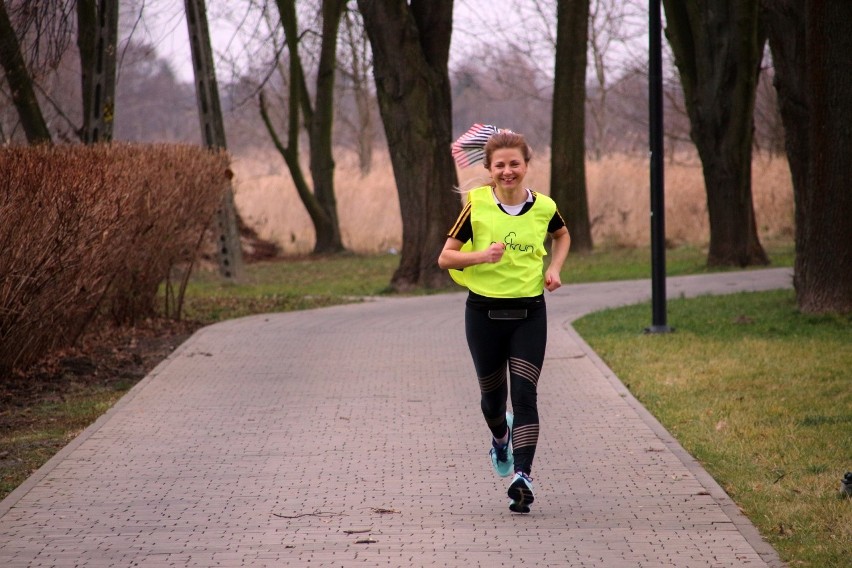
<point x="94" y="229"/>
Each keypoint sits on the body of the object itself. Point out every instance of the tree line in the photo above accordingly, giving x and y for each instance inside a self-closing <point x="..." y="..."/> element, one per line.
<point x="718" y="51"/>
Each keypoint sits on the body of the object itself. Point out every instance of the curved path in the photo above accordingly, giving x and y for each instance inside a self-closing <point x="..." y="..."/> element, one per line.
<point x="352" y="436"/>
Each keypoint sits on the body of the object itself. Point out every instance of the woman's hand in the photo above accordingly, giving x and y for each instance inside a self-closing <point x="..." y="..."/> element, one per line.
<point x="494" y="253"/>
<point x="559" y="250"/>
<point x="452" y="257"/>
<point x="552" y="280"/>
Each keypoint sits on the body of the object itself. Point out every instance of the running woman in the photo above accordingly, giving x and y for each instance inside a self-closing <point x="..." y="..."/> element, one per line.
<point x="496" y="250"/>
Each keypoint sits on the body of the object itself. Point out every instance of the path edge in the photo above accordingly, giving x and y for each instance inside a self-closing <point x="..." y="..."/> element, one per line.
<point x="36" y="477"/>
<point x="745" y="527"/>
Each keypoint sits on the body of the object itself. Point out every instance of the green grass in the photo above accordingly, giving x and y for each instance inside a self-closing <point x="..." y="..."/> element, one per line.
<point x="287" y="285"/>
<point x="305" y="283"/>
<point x="761" y="395"/>
<point x="614" y="263"/>
<point x="42" y="430"/>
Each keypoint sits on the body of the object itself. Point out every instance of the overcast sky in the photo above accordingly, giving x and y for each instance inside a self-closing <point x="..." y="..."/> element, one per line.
<point x="475" y="21"/>
<point x="476" y="25"/>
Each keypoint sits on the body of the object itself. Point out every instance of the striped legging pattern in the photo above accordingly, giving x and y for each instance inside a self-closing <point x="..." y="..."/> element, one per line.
<point x="493" y="381"/>
<point x="524" y="369"/>
<point x="524" y="436"/>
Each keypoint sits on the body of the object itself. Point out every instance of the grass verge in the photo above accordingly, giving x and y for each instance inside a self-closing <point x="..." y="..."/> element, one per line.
<point x="760" y="394"/>
<point x="44" y="428"/>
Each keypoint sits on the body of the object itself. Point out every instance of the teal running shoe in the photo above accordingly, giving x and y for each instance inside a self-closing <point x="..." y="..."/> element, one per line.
<point x="521" y="493"/>
<point x="501" y="454"/>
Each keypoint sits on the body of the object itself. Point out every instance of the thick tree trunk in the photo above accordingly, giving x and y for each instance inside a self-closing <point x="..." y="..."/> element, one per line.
<point x="20" y="83"/>
<point x="825" y="270"/>
<point x="784" y="21"/>
<point x="718" y="51"/>
<point x="568" y="164"/>
<point x="411" y="51"/>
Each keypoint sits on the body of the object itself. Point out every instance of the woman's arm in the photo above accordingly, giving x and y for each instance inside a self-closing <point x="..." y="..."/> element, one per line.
<point x="558" y="252"/>
<point x="452" y="256"/>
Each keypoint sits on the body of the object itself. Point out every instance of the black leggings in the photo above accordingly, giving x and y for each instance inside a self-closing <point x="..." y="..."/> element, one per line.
<point x="518" y="345"/>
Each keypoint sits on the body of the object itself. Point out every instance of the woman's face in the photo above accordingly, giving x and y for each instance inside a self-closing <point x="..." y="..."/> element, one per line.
<point x="508" y="168"/>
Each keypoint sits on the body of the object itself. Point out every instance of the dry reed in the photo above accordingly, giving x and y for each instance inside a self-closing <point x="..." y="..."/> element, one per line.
<point x="618" y="193"/>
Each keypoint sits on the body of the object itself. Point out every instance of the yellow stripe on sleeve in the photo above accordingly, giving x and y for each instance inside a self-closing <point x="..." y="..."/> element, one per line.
<point x="463" y="216"/>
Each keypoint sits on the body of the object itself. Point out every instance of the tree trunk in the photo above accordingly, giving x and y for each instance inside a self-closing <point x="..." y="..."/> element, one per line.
<point x="718" y="49"/>
<point x="320" y="204"/>
<point x="568" y="149"/>
<point x="410" y="54"/>
<point x="784" y="21"/>
<point x="322" y="161"/>
<point x="825" y="270"/>
<point x="290" y="153"/>
<point x="20" y="83"/>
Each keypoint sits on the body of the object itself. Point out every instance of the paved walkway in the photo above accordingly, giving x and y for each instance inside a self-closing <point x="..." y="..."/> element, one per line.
<point x="352" y="436"/>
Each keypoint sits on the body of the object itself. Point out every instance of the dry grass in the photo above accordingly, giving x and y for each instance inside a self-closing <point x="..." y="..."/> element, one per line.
<point x="618" y="190"/>
<point x="368" y="207"/>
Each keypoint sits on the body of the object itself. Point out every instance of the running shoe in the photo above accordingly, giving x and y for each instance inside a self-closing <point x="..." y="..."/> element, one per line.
<point x="521" y="493"/>
<point x="501" y="454"/>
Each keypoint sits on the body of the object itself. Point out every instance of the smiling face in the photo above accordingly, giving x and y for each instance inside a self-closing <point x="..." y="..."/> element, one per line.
<point x="508" y="168"/>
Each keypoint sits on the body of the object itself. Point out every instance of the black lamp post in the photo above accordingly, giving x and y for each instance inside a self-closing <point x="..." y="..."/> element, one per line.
<point x="655" y="135"/>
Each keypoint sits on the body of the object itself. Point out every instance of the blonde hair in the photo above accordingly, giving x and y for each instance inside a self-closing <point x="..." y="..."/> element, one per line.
<point x="506" y="139"/>
<point x="498" y="141"/>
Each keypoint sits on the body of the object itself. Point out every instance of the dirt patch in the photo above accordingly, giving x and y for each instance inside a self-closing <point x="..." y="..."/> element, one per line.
<point x="109" y="358"/>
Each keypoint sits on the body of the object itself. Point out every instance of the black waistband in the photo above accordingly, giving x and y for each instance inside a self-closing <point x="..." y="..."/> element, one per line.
<point x="484" y="303"/>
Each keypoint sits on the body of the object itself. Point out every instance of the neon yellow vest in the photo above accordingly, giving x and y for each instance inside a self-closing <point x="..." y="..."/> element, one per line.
<point x="519" y="274"/>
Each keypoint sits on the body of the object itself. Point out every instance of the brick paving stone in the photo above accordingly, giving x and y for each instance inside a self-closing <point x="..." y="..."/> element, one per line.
<point x="262" y="441"/>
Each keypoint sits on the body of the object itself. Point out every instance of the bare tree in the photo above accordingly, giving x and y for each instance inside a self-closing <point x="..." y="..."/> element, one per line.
<point x="355" y="67"/>
<point x="411" y="44"/>
<point x="20" y="82"/>
<point x="810" y="48"/>
<point x="824" y="274"/>
<point x="718" y="49"/>
<point x="318" y="120"/>
<point x="568" y="167"/>
<point x="485" y="90"/>
<point x="321" y="122"/>
<point x="614" y="29"/>
<point x="505" y="76"/>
